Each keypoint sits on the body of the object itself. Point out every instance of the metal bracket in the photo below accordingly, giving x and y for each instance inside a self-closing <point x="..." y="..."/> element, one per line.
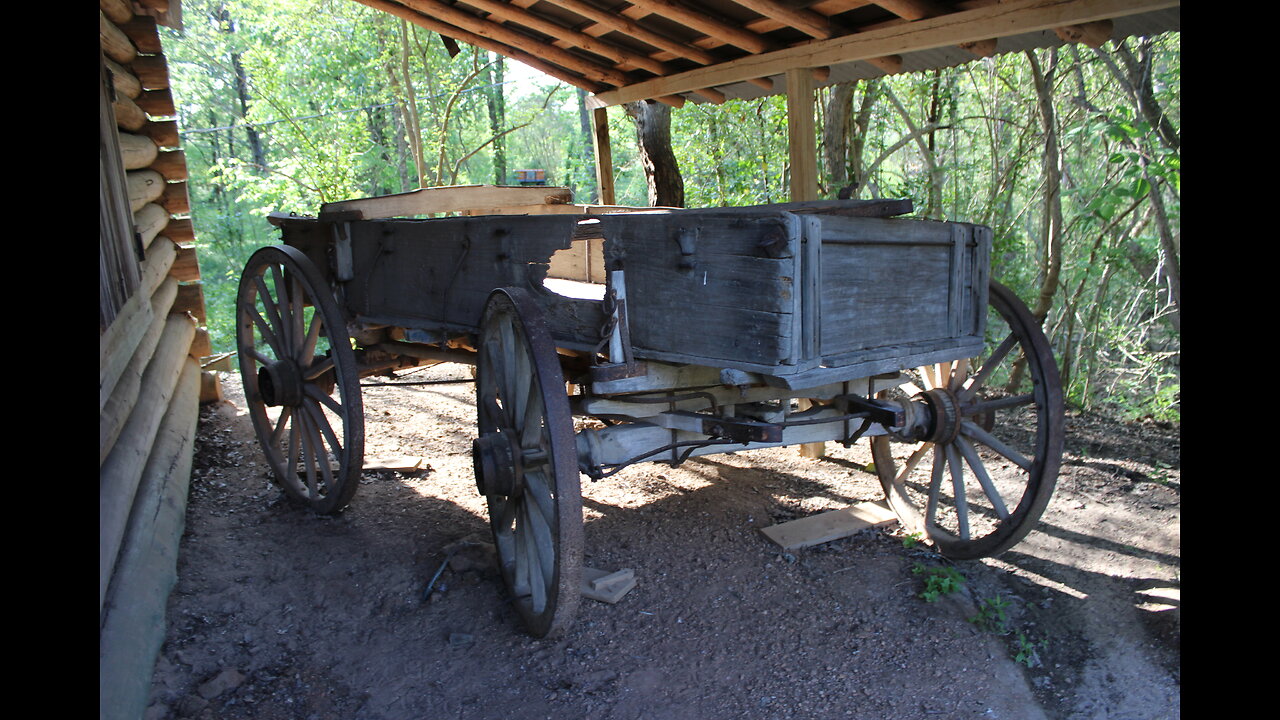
<point x="885" y="414"/>
<point x="343" y="265"/>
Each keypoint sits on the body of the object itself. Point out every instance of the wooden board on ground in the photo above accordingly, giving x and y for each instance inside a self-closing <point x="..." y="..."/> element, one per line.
<point x="830" y="525"/>
<point x="607" y="586"/>
<point x="405" y="464"/>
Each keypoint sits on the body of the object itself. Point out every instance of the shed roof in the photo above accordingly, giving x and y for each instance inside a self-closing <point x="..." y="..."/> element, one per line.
<point x="713" y="50"/>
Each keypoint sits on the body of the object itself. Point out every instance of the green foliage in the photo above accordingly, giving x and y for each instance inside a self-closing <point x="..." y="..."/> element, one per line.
<point x="938" y="581"/>
<point x="991" y="616"/>
<point x="911" y="540"/>
<point x="1027" y="652"/>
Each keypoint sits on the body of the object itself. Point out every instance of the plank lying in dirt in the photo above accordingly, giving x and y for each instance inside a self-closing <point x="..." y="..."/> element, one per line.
<point x="830" y="525"/>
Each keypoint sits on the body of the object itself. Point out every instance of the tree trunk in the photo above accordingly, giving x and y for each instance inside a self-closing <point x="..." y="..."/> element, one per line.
<point x="653" y="135"/>
<point x="835" y="136"/>
<point x="586" y="154"/>
<point x="497" y="119"/>
<point x="1051" y="220"/>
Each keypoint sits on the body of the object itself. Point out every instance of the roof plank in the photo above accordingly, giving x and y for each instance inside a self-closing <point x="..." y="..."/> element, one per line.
<point x="967" y="26"/>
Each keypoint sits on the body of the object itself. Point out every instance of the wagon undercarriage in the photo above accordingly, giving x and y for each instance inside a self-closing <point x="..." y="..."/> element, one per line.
<point x="690" y="333"/>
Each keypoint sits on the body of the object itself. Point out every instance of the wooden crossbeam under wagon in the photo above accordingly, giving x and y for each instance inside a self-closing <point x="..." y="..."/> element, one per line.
<point x="687" y="332"/>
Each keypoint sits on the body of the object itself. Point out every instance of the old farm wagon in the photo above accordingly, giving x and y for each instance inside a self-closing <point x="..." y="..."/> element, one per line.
<point x="709" y="329"/>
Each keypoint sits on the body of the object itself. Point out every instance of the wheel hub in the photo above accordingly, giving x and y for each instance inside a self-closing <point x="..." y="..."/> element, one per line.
<point x="280" y="383"/>
<point x="941" y="416"/>
<point x="496" y="460"/>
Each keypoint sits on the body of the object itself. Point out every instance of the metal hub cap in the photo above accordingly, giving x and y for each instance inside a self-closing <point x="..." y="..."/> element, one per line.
<point x="280" y="383"/>
<point x="944" y="409"/>
<point x="496" y="460"/>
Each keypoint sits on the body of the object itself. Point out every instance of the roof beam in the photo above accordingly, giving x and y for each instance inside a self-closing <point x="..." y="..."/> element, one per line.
<point x="806" y="21"/>
<point x="481" y="42"/>
<point x="493" y="31"/>
<point x="732" y="34"/>
<point x="633" y="29"/>
<point x="1000" y="20"/>
<point x="599" y="47"/>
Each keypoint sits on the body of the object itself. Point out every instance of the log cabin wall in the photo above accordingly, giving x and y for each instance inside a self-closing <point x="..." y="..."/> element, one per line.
<point x="151" y="317"/>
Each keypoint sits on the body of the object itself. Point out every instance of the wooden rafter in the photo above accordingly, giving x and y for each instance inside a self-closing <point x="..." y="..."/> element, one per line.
<point x="511" y="13"/>
<point x="493" y="31"/>
<point x="967" y="26"/>
<point x="806" y="21"/>
<point x="732" y="34"/>
<point x="626" y="26"/>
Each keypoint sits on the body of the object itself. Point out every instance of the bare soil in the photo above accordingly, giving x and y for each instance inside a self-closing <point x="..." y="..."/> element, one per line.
<point x="279" y="613"/>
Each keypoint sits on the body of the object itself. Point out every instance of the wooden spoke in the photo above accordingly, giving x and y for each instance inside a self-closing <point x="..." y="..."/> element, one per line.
<point x="536" y="489"/>
<point x="957" y="487"/>
<point x="992" y="362"/>
<point x="317" y="369"/>
<point x="316" y="457"/>
<point x="1023" y="431"/>
<point x="321" y="422"/>
<point x="308" y="451"/>
<point x="282" y="423"/>
<point x="935" y="488"/>
<point x="968" y="429"/>
<point x="1003" y="403"/>
<point x="916" y="457"/>
<point x="316" y="394"/>
<point x="268" y="336"/>
<point x="312" y="338"/>
<point x="959" y="374"/>
<point x="274" y="319"/>
<point x="980" y="472"/>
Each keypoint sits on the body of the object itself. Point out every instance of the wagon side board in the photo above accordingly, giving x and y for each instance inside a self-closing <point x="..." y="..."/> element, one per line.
<point x="710" y="287"/>
<point x="802" y="299"/>
<point x="435" y="275"/>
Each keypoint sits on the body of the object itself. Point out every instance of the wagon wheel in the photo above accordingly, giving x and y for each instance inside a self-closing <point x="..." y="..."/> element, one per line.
<point x="994" y="428"/>
<point x="526" y="462"/>
<point x="294" y="351"/>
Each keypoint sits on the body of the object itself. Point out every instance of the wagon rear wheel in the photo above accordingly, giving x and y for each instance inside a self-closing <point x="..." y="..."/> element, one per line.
<point x="526" y="462"/>
<point x="294" y="353"/>
<point x="976" y="479"/>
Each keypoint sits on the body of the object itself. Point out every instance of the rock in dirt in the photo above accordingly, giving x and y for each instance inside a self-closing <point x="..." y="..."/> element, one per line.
<point x="228" y="679"/>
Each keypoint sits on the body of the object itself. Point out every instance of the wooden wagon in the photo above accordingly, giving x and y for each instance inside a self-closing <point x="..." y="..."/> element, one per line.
<point x="686" y="332"/>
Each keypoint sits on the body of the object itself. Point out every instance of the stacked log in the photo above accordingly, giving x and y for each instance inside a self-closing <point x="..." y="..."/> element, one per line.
<point x="150" y="348"/>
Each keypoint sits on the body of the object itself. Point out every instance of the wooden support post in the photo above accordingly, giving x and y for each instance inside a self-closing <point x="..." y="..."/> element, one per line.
<point x="800" y="135"/>
<point x="804" y="169"/>
<point x="604" y="156"/>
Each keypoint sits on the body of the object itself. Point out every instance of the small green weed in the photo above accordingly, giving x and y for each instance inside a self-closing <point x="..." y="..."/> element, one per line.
<point x="991" y="616"/>
<point x="938" y="581"/>
<point x="1025" y="651"/>
<point x="911" y="540"/>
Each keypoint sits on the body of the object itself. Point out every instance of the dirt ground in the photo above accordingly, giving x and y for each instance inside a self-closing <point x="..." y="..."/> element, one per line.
<point x="279" y="613"/>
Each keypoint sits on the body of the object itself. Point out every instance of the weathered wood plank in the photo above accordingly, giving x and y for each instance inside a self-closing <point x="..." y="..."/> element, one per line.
<point x="123" y="393"/>
<point x="117" y="345"/>
<point x="829" y="525"/>
<point x="123" y="467"/>
<point x="133" y="620"/>
<point x="708" y="284"/>
<point x="454" y="198"/>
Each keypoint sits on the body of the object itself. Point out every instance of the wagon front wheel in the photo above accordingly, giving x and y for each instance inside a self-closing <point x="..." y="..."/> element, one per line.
<point x="301" y="384"/>
<point x="975" y="476"/>
<point x="526" y="462"/>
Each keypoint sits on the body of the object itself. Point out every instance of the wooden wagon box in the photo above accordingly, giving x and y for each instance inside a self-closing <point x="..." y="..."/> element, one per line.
<point x="802" y="298"/>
